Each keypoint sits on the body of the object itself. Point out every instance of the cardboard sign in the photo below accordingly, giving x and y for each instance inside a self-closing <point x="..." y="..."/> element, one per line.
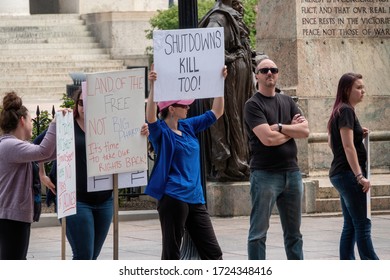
<point x="66" y="165"/>
<point x="189" y="63"/>
<point x="114" y="112"/>
<point x="125" y="180"/>
<point x="366" y="142"/>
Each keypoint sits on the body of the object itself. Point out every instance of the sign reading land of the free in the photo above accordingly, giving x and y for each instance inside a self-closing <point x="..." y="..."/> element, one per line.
<point x="66" y="165"/>
<point x="114" y="114"/>
<point x="188" y="63"/>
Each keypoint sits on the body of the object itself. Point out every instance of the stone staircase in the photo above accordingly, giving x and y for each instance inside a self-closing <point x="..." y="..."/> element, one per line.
<point x="327" y="198"/>
<point x="38" y="52"/>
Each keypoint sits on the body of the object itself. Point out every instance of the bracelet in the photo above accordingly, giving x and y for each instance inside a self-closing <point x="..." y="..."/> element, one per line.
<point x="361" y="178"/>
<point x="358" y="175"/>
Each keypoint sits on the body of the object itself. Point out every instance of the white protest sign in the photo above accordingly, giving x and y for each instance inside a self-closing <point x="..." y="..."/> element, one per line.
<point x="133" y="179"/>
<point x="66" y="165"/>
<point x="125" y="180"/>
<point x="100" y="183"/>
<point x="366" y="142"/>
<point x="114" y="114"/>
<point x="188" y="63"/>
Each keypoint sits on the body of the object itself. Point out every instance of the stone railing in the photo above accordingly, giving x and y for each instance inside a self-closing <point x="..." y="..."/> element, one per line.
<point x="374" y="136"/>
<point x="318" y="155"/>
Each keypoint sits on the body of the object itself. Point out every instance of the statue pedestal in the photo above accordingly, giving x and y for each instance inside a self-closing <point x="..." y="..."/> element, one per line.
<point x="229" y="199"/>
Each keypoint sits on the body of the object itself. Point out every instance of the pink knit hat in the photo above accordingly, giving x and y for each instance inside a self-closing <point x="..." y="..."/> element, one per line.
<point x="164" y="104"/>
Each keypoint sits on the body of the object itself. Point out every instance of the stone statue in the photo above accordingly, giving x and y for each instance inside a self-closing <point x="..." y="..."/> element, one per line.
<point x="227" y="148"/>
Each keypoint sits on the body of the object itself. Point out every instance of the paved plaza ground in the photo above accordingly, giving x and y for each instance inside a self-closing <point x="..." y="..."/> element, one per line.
<point x="141" y="239"/>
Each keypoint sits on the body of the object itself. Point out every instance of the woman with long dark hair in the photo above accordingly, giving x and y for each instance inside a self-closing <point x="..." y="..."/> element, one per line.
<point x="87" y="230"/>
<point x="348" y="172"/>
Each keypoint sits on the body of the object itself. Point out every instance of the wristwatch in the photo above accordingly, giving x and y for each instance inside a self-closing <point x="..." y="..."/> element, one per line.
<point x="280" y="127"/>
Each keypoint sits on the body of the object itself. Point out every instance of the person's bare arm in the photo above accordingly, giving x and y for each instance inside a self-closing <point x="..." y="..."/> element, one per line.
<point x="352" y="158"/>
<point x="151" y="106"/>
<point x="45" y="180"/>
<point x="219" y="102"/>
<point x="299" y="127"/>
<point x="269" y="137"/>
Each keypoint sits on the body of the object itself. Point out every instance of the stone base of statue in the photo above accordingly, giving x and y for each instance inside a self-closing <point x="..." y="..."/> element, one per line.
<point x="230" y="199"/>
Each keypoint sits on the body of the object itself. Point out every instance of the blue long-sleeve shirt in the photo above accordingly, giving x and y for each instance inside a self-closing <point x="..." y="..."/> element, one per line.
<point x="177" y="168"/>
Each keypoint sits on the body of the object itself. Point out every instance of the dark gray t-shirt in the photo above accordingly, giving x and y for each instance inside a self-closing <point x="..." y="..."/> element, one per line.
<point x="346" y="118"/>
<point x="260" y="109"/>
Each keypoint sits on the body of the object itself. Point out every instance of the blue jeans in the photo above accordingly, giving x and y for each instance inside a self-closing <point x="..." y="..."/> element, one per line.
<point x="87" y="230"/>
<point x="286" y="189"/>
<point x="357" y="227"/>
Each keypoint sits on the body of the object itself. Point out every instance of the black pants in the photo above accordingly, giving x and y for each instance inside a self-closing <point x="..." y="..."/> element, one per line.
<point x="175" y="217"/>
<point x="14" y="239"/>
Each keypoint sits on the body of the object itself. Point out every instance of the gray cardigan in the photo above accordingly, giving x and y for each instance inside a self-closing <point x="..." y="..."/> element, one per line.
<point x="16" y="193"/>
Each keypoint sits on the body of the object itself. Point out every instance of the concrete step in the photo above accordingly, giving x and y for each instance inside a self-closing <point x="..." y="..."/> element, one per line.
<point x="77" y="27"/>
<point x="34" y="77"/>
<point x="41" y="20"/>
<point x="38" y="83"/>
<point x="35" y="52"/>
<point x="60" y="57"/>
<point x="330" y="205"/>
<point x="69" y="39"/>
<point x="30" y="73"/>
<point x="331" y="192"/>
<point x="39" y="74"/>
<point x="45" y="34"/>
<point x="59" y="64"/>
<point x="328" y="201"/>
<point x="73" y="45"/>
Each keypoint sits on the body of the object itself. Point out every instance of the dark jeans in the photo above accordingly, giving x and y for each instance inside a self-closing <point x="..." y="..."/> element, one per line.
<point x="175" y="217"/>
<point x="285" y="189"/>
<point x="357" y="227"/>
<point x="87" y="230"/>
<point x="14" y="239"/>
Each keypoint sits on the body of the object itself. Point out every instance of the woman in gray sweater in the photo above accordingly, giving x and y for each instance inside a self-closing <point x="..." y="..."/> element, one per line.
<point x="16" y="193"/>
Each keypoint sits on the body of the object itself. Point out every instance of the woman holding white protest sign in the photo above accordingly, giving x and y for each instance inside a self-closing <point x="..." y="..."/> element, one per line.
<point x="175" y="180"/>
<point x="87" y="230"/>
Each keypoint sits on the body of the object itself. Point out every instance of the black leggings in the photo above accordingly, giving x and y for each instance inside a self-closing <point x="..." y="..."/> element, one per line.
<point x="14" y="239"/>
<point x="175" y="217"/>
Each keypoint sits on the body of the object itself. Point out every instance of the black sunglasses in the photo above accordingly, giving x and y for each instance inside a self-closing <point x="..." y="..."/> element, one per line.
<point x="265" y="70"/>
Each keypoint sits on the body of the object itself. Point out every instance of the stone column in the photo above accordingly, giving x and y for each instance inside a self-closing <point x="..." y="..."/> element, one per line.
<point x="15" y="7"/>
<point x="314" y="43"/>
